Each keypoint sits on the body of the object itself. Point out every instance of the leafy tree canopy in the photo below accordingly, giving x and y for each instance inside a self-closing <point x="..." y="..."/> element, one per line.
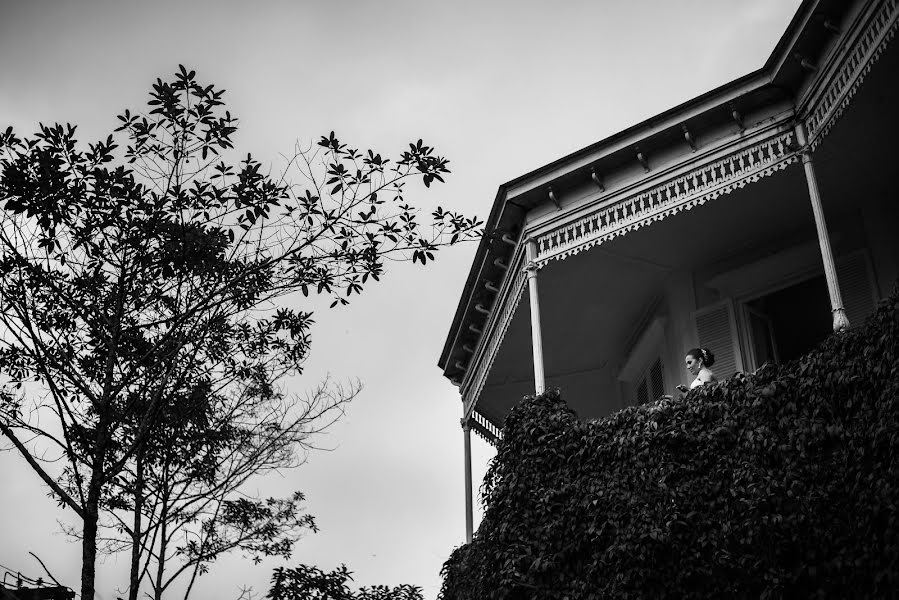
<point x="147" y="270"/>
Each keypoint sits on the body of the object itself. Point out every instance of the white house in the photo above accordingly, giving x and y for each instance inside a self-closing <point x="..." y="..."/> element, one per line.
<point x="751" y="220"/>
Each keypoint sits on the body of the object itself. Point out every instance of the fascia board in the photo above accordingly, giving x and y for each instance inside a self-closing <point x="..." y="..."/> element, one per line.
<point x="834" y="57"/>
<point x="636" y="135"/>
<point x="690" y="109"/>
<point x="482" y="254"/>
<point x="784" y="48"/>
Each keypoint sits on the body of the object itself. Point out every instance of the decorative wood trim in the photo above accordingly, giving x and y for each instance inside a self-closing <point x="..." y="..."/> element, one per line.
<point x="868" y="45"/>
<point x="494" y="332"/>
<point x="482" y="426"/>
<point x="681" y="193"/>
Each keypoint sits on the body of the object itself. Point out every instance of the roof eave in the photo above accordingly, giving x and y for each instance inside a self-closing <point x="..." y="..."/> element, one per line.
<point x="633" y="135"/>
<point x="477" y="266"/>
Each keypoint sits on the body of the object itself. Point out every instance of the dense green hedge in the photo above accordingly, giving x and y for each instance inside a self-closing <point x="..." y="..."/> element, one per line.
<point x="782" y="484"/>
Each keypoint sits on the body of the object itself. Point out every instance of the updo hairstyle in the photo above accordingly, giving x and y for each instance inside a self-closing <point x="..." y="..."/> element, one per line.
<point x="708" y="359"/>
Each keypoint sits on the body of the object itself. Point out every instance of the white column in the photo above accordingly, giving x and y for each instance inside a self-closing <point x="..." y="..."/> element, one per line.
<point x="469" y="515"/>
<point x="536" y="336"/>
<point x="840" y="321"/>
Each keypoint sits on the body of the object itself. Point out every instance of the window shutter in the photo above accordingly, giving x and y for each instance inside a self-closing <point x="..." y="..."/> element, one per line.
<point x="856" y="287"/>
<point x="716" y="329"/>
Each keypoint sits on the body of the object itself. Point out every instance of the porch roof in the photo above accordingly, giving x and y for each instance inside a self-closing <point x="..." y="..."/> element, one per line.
<point x="781" y="79"/>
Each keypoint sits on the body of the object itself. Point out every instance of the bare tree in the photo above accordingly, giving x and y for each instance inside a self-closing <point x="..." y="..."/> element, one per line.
<point x="183" y="498"/>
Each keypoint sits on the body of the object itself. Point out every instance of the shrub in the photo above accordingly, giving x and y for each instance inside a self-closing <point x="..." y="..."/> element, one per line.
<point x="780" y="484"/>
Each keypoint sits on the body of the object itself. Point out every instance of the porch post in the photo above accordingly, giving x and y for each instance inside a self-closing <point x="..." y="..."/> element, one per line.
<point x="840" y="321"/>
<point x="536" y="336"/>
<point x="469" y="515"/>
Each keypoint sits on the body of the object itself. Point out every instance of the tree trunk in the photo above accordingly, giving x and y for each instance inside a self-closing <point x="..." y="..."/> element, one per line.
<point x="163" y="540"/>
<point x="92" y="515"/>
<point x="89" y="549"/>
<point x="136" y="533"/>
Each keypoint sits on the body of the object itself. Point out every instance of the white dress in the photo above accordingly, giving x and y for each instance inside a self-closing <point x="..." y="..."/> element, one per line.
<point x="696" y="383"/>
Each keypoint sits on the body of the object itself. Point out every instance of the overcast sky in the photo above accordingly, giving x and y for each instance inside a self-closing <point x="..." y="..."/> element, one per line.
<point x="500" y="88"/>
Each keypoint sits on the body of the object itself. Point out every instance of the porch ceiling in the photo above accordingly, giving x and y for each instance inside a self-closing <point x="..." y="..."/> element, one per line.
<point x="587" y="305"/>
<point x="592" y="303"/>
<point x="752" y="217"/>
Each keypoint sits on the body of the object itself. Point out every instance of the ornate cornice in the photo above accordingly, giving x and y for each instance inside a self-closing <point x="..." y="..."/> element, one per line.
<point x="494" y="333"/>
<point x="867" y="47"/>
<point x="687" y="191"/>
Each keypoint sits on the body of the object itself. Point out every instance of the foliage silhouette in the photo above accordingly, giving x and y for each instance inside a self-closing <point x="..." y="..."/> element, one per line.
<point x="146" y="271"/>
<point x="781" y="484"/>
<point x="306" y="582"/>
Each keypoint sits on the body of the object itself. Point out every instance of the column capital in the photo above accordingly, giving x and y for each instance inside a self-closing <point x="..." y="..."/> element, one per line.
<point x="466" y="425"/>
<point x="804" y="150"/>
<point x="840" y="320"/>
<point x="530" y="249"/>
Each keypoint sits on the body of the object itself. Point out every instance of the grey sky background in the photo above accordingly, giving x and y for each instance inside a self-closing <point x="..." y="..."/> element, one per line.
<point x="500" y="88"/>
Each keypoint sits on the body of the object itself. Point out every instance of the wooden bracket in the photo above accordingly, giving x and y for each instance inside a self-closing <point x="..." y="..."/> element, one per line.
<point x="805" y="63"/>
<point x="831" y="26"/>
<point x="597" y="179"/>
<point x="689" y="137"/>
<point x="642" y="159"/>
<point x="552" y="197"/>
<point x="736" y="116"/>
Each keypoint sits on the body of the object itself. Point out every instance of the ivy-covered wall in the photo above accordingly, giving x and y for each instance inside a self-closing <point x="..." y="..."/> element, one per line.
<point x="782" y="484"/>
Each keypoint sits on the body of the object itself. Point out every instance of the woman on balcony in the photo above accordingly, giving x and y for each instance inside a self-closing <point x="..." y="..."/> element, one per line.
<point x="699" y="362"/>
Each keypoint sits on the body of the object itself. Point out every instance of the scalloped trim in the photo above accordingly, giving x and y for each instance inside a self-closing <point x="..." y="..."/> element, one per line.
<point x="682" y="193"/>
<point x="869" y="46"/>
<point x="486" y="430"/>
